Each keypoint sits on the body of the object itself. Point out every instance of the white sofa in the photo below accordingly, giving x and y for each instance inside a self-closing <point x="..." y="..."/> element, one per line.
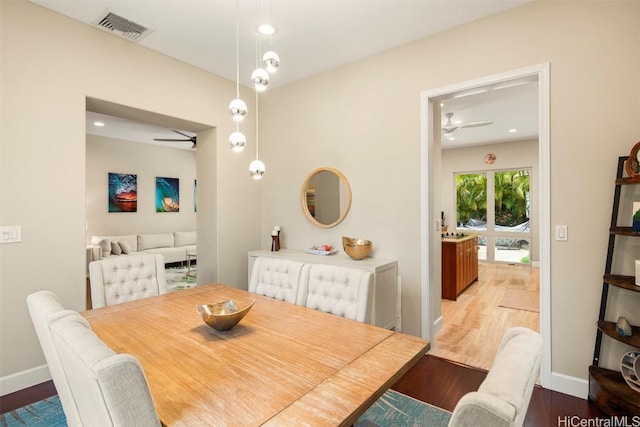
<point x="172" y="246"/>
<point x="503" y="397"/>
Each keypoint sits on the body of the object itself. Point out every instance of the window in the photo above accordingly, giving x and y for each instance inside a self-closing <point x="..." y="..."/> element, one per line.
<point x="496" y="205"/>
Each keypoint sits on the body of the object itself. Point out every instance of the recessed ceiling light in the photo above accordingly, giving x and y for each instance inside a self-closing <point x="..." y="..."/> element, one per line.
<point x="266" y="29"/>
<point x="99" y="124"/>
<point x="513" y="130"/>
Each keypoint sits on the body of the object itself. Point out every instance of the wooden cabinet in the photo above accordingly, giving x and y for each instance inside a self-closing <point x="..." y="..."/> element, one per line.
<point x="607" y="388"/>
<point x="385" y="311"/>
<point x="459" y="265"/>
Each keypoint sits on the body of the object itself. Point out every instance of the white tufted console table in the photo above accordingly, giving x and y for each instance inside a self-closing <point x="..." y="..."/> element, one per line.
<point x="385" y="285"/>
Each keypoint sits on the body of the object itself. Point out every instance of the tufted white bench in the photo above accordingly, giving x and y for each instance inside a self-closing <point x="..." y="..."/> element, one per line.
<point x="276" y="278"/>
<point x="126" y="278"/>
<point x="342" y="291"/>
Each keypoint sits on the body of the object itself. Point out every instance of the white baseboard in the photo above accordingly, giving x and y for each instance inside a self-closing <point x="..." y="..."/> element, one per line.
<point x="576" y="387"/>
<point x="21" y="380"/>
<point x="437" y="327"/>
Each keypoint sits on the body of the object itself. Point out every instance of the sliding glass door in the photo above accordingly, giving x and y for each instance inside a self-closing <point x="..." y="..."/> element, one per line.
<point x="496" y="206"/>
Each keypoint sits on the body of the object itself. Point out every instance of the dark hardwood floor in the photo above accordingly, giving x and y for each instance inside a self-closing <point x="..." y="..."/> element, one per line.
<point x="442" y="383"/>
<point x="433" y="380"/>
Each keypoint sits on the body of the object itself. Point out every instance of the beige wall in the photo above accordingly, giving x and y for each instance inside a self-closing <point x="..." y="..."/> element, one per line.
<point x="147" y="161"/>
<point x="364" y="119"/>
<point x="513" y="155"/>
<point x="49" y="66"/>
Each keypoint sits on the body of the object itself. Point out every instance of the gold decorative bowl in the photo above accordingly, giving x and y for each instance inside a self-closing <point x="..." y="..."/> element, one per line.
<point x="356" y="248"/>
<point x="223" y="316"/>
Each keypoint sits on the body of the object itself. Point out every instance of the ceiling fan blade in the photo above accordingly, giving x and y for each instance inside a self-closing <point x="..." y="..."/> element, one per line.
<point x="182" y="133"/>
<point x="474" y="124"/>
<point x="172" y="140"/>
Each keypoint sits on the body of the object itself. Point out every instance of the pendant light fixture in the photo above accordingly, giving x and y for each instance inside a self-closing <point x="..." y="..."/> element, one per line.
<point x="270" y="59"/>
<point x="256" y="168"/>
<point x="260" y="77"/>
<point x="237" y="107"/>
<point x="237" y="140"/>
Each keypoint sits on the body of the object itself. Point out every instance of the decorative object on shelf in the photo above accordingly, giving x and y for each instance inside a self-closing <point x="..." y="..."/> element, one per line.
<point x="632" y="165"/>
<point x="636" y="217"/>
<point x="630" y="369"/>
<point x="623" y="327"/>
<point x="356" y="248"/>
<point x="223" y="316"/>
<point x="321" y="250"/>
<point x="275" y="239"/>
<point x="443" y="226"/>
<point x="490" y="158"/>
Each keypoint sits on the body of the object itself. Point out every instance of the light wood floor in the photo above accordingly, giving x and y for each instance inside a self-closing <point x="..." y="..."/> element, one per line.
<point x="475" y="323"/>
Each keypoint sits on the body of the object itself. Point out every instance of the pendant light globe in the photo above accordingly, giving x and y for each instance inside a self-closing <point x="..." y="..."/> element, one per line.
<point x="238" y="109"/>
<point x="260" y="79"/>
<point x="237" y="141"/>
<point x="271" y="61"/>
<point x="256" y="169"/>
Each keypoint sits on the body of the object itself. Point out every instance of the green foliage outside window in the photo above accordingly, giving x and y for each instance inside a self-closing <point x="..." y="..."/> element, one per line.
<point x="471" y="192"/>
<point x="511" y="197"/>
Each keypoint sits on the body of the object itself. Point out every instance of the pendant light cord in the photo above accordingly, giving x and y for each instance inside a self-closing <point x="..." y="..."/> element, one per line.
<point x="257" y="125"/>
<point x="237" y="50"/>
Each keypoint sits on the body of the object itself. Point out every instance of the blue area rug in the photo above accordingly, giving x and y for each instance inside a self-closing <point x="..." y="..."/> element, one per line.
<point x="45" y="413"/>
<point x="393" y="409"/>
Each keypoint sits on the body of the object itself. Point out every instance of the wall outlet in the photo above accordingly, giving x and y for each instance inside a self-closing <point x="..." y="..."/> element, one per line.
<point x="10" y="234"/>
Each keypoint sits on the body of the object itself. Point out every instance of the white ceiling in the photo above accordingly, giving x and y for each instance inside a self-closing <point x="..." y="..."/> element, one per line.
<point x="312" y="35"/>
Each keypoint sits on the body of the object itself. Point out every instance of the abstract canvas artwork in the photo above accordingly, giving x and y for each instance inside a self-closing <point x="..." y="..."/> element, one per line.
<point x="123" y="192"/>
<point x="167" y="194"/>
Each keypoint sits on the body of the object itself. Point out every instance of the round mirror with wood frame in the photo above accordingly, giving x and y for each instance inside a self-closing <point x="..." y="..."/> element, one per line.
<point x="326" y="197"/>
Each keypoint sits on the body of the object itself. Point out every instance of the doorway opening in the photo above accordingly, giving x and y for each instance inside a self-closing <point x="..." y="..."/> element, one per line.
<point x="129" y="148"/>
<point x="431" y="193"/>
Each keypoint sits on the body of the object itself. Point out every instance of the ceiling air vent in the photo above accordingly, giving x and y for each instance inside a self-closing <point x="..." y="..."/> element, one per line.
<point x="120" y="26"/>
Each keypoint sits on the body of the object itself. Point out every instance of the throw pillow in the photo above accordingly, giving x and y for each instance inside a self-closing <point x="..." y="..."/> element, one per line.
<point x="115" y="248"/>
<point x="105" y="245"/>
<point x="125" y="246"/>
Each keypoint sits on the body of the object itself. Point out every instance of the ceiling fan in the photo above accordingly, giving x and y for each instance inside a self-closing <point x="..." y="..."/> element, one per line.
<point x="192" y="139"/>
<point x="449" y="127"/>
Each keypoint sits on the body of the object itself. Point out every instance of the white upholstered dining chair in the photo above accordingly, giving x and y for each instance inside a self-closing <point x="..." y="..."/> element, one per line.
<point x="96" y="386"/>
<point x="44" y="308"/>
<point x="109" y="389"/>
<point x="126" y="278"/>
<point x="276" y="278"/>
<point x="342" y="291"/>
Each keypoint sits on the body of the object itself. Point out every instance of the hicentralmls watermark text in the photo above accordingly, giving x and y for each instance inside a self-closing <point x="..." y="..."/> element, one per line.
<point x="615" y="421"/>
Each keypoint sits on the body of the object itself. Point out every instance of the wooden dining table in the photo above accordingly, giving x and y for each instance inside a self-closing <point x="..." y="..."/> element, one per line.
<point x="282" y="365"/>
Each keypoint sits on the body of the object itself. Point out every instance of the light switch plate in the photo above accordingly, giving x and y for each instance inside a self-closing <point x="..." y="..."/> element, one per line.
<point x="562" y="233"/>
<point x="10" y="234"/>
